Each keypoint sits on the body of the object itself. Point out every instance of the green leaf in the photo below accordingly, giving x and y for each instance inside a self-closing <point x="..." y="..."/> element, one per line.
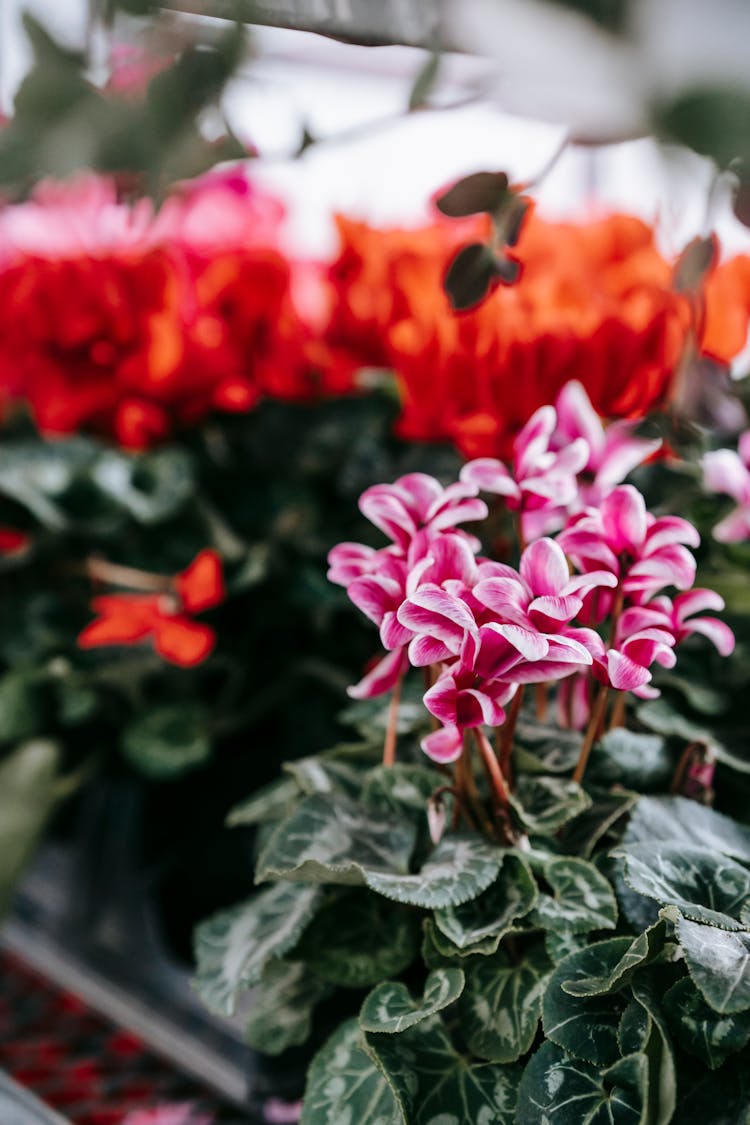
<point x="28" y="793"/>
<point x="283" y="1002"/>
<point x="661" y="1087"/>
<point x="21" y="706"/>
<point x="634" y="760"/>
<point x="718" y="962"/>
<point x="705" y="886"/>
<point x="640" y="952"/>
<point x="435" y="1085"/>
<point x="360" y="939"/>
<point x="684" y="822"/>
<point x="471" y="276"/>
<point x="583" y="899"/>
<point x="401" y="788"/>
<point x="345" y="1087"/>
<point x="501" y="1007"/>
<point x="584" y="833"/>
<point x="556" y="1088"/>
<point x="541" y="748"/>
<point x="391" y="1009"/>
<point x="585" y="1026"/>
<point x="700" y="1030"/>
<point x="333" y="840"/>
<point x="560" y="943"/>
<point x="459" y="869"/>
<point x="494" y="912"/>
<point x="268" y="803"/>
<point x="233" y="947"/>
<point x="712" y="120"/>
<point x="713" y="1097"/>
<point x="480" y="192"/>
<point x="167" y="741"/>
<point x="424" y="82"/>
<point x="544" y="804"/>
<point x="151" y="487"/>
<point x="319" y="774"/>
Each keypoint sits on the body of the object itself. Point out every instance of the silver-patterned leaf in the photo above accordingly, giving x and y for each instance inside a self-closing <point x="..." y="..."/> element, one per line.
<point x="700" y="1030"/>
<point x="640" y="952"/>
<point x="282" y="1006"/>
<point x="330" y="839"/>
<point x="501" y="1007"/>
<point x="268" y="803"/>
<point x="558" y="1090"/>
<point x="661" y="1088"/>
<point x="391" y="1009"/>
<point x="560" y="942"/>
<point x="584" y="833"/>
<point x="585" y="1026"/>
<point x="704" y="885"/>
<point x="544" y="804"/>
<point x="401" y="787"/>
<point x="682" y="821"/>
<point x="459" y="869"/>
<point x="233" y="947"/>
<point x="321" y="774"/>
<point x="495" y="911"/>
<point x="438" y="950"/>
<point x="437" y="1086"/>
<point x="345" y="1087"/>
<point x="582" y="899"/>
<point x="358" y="939"/>
<point x="718" y="962"/>
<point x="543" y="748"/>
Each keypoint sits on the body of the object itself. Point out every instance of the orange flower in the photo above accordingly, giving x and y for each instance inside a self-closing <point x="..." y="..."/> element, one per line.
<point x="125" y="619"/>
<point x="595" y="302"/>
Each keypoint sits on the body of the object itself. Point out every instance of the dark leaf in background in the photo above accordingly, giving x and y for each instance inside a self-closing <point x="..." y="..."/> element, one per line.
<point x="481" y="192"/>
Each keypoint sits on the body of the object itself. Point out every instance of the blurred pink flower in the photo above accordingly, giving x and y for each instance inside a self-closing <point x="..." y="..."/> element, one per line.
<point x="541" y="483"/>
<point x="729" y="472"/>
<point x="172" y="1114"/>
<point x="614" y="451"/>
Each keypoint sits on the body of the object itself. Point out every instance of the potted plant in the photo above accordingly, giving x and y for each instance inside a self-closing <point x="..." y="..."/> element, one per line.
<point x="508" y="898"/>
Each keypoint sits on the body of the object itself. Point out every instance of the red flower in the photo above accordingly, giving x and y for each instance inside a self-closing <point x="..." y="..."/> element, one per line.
<point x="125" y="619"/>
<point x="13" y="541"/>
<point x="595" y="302"/>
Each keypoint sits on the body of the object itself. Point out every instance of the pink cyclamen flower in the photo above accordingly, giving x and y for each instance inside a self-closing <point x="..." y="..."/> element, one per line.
<point x="679" y="619"/>
<point x="460" y="700"/>
<point x="417" y="502"/>
<point x="614" y="450"/>
<point x="645" y="553"/>
<point x="729" y="472"/>
<point x="532" y="611"/>
<point x="540" y="480"/>
<point x="639" y="643"/>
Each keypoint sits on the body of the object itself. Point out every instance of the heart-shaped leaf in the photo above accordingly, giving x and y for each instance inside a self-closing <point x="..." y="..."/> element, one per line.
<point x="582" y="899"/>
<point x="233" y="947"/>
<point x="391" y="1009"/>
<point x="329" y="839"/>
<point x="494" y="912"/>
<point x="501" y="1007"/>
<point x="459" y="869"/>
<point x="344" y="1084"/>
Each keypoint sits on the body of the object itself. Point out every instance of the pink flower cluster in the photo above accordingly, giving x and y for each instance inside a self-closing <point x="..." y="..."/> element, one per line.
<point x="482" y="628"/>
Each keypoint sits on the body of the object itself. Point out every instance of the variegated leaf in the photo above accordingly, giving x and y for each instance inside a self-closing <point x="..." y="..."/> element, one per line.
<point x="495" y="911"/>
<point x="718" y="962"/>
<point x="585" y="1026"/>
<point x="558" y="1089"/>
<point x="459" y="869"/>
<point x="345" y="1087"/>
<point x="282" y="1006"/>
<point x="582" y="901"/>
<point x="704" y="886"/>
<point x="330" y="839"/>
<point x="501" y="1007"/>
<point x="391" y="1009"/>
<point x="700" y="1030"/>
<point x="233" y="947"/>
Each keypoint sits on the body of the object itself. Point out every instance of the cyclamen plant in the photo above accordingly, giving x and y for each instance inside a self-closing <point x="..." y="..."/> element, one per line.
<point x="540" y="941"/>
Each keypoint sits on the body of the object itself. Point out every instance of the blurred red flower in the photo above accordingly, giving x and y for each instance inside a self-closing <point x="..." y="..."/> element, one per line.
<point x="595" y="302"/>
<point x="125" y="619"/>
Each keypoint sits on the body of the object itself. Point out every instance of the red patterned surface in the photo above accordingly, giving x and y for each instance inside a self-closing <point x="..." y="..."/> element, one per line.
<point x="75" y="1061"/>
